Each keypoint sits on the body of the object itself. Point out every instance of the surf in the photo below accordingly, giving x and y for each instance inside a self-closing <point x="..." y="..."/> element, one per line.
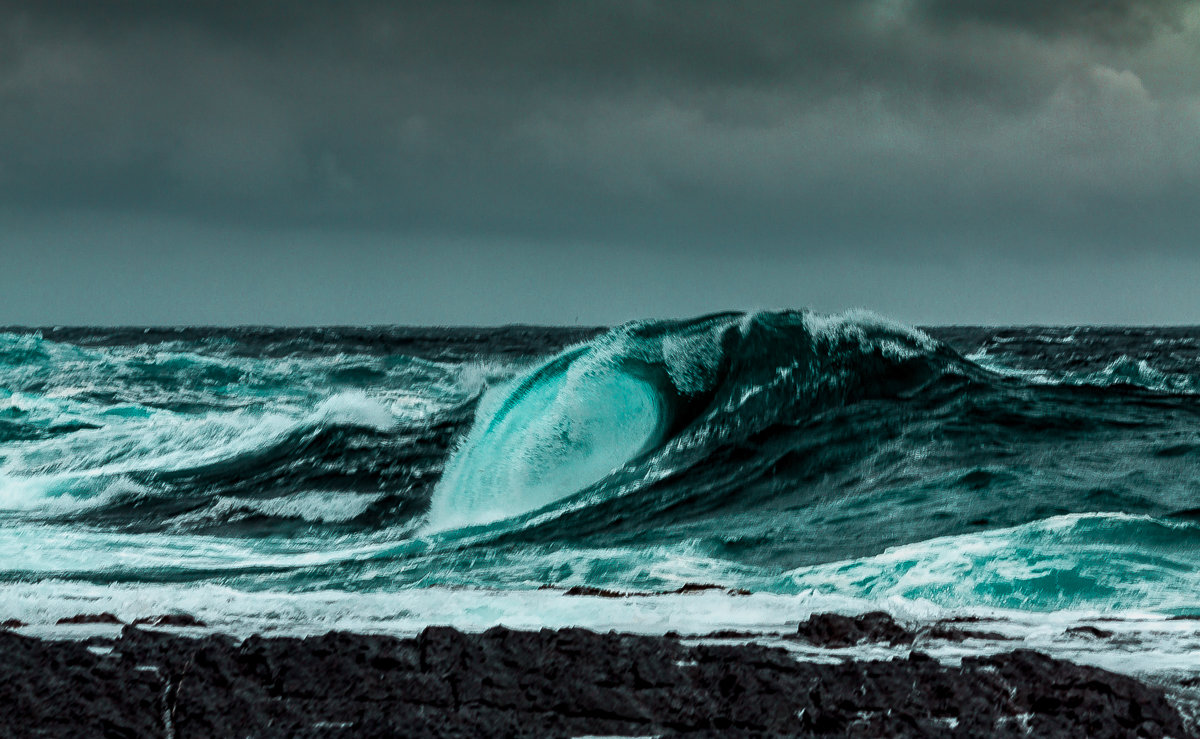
<point x="649" y="395"/>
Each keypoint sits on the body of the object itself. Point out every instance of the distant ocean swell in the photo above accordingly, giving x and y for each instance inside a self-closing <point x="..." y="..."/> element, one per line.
<point x="786" y="453"/>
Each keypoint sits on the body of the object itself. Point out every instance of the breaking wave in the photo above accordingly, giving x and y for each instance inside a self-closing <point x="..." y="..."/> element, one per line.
<point x="647" y="394"/>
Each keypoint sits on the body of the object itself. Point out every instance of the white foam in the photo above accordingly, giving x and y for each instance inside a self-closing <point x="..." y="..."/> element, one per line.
<point x="400" y="612"/>
<point x="1144" y="644"/>
<point x="1065" y="562"/>
<point x="354" y="408"/>
<point x="49" y="549"/>
<point x="868" y="328"/>
<point x="1123" y="370"/>
<point x="86" y="467"/>
<point x="79" y="466"/>
<point x="315" y="506"/>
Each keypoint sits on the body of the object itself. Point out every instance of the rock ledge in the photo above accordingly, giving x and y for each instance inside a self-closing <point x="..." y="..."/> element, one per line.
<point x="569" y="682"/>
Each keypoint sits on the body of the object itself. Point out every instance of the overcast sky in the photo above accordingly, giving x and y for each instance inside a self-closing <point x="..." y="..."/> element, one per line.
<point x="940" y="161"/>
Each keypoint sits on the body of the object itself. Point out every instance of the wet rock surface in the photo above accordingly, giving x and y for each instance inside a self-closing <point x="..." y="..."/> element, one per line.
<point x="91" y="618"/>
<point x="170" y="619"/>
<point x="569" y="682"/>
<point x="686" y="588"/>
<point x="1089" y="632"/>
<point x="833" y="630"/>
<point x="958" y="635"/>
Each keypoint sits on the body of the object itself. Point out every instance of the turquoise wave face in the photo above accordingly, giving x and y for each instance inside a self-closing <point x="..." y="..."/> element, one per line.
<point x="545" y="437"/>
<point x="787" y="453"/>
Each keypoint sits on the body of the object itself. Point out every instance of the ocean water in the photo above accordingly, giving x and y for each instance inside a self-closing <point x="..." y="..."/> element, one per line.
<point x="298" y="480"/>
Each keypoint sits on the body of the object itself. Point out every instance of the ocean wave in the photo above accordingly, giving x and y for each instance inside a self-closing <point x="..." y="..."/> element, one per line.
<point x="841" y="459"/>
<point x="1093" y="561"/>
<point x="130" y="456"/>
<point x="1123" y="371"/>
<point x="209" y="377"/>
<point x="652" y="392"/>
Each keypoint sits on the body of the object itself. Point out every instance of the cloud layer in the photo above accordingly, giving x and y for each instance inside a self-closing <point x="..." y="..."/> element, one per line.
<point x="876" y="126"/>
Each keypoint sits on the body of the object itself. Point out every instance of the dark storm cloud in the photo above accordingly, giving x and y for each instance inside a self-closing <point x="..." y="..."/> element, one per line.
<point x="835" y="124"/>
<point x="1123" y="21"/>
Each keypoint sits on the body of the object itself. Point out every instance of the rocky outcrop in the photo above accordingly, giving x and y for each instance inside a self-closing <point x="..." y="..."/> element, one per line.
<point x="91" y="618"/>
<point x="170" y="619"/>
<point x="834" y="631"/>
<point x="685" y="589"/>
<point x="569" y="682"/>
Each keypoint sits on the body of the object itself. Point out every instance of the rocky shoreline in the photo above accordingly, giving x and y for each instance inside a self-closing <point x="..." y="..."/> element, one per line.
<point x="552" y="683"/>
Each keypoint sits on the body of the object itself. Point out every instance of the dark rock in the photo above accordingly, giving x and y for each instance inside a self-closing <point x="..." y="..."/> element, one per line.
<point x="170" y="619"/>
<point x="91" y="618"/>
<point x="684" y="589"/>
<point x="1080" y="700"/>
<point x="695" y="587"/>
<point x="62" y="689"/>
<point x="963" y="620"/>
<point x="594" y="592"/>
<point x="12" y="623"/>
<point x="834" y="631"/>
<point x="692" y="587"/>
<point x="735" y="634"/>
<point x="945" y="633"/>
<point x="66" y="428"/>
<point x="1089" y="632"/>
<point x="569" y="682"/>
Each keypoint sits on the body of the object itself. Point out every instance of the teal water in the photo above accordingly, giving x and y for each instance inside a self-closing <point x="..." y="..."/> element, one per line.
<point x="846" y="460"/>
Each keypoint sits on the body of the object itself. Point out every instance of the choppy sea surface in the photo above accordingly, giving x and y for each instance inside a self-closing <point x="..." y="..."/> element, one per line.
<point x="383" y="479"/>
